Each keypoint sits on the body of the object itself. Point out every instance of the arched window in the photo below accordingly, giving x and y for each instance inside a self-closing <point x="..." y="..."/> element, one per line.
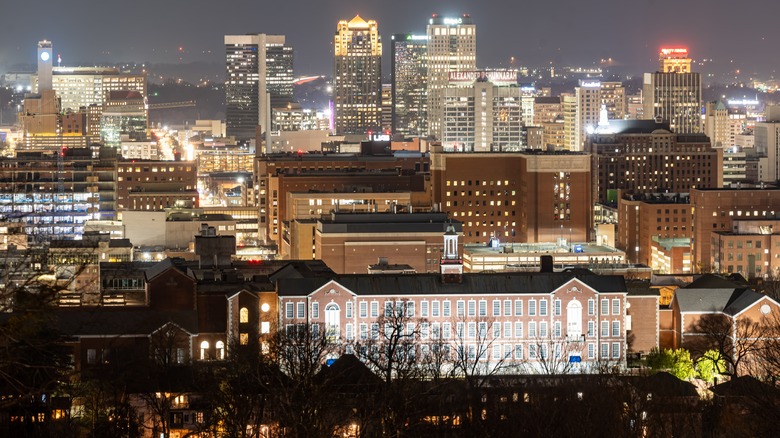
<point x="243" y="315"/>
<point x="220" y="350"/>
<point x="332" y="320"/>
<point x="204" y="350"/>
<point x="574" y="319"/>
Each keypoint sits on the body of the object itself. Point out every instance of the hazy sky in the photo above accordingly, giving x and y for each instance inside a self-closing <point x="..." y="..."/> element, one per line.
<point x="533" y="31"/>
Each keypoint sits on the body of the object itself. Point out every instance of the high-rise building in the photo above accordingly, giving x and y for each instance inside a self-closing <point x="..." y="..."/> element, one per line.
<point x="357" y="76"/>
<point x="452" y="47"/>
<point x="673" y="93"/>
<point x="79" y="87"/>
<point x="644" y="157"/>
<point x="482" y="112"/>
<point x="409" y="70"/>
<point x="716" y="123"/>
<point x="44" y="66"/>
<point x="259" y="78"/>
<point x="588" y="109"/>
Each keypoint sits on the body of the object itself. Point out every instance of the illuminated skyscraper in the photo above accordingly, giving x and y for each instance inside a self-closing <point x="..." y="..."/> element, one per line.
<point x="357" y="76"/>
<point x="259" y="78"/>
<point x="409" y="54"/>
<point x="674" y="93"/>
<point x="452" y="47"/>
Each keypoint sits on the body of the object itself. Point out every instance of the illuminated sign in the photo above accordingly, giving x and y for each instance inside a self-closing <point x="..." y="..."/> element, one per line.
<point x="590" y="84"/>
<point x="743" y="102"/>
<point x="495" y="76"/>
<point x="674" y="51"/>
<point x="416" y="37"/>
<point x="453" y="21"/>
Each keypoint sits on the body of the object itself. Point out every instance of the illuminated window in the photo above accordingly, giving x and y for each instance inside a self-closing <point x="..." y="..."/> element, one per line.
<point x="243" y="315"/>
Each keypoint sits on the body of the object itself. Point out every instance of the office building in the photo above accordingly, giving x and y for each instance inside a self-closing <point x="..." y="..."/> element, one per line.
<point x="259" y="78"/>
<point x="123" y="116"/>
<point x="643" y="157"/>
<point x="716" y="210"/>
<point x="515" y="196"/>
<point x="452" y="47"/>
<point x="766" y="137"/>
<point x="357" y="77"/>
<point x="482" y="112"/>
<point x="79" y="87"/>
<point x="53" y="193"/>
<point x="156" y="185"/>
<point x="647" y="218"/>
<point x="409" y="74"/>
<point x="716" y="124"/>
<point x="673" y="93"/>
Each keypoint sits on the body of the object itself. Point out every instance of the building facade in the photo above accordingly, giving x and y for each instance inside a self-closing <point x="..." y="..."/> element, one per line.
<point x="482" y="112"/>
<point x="357" y="77"/>
<point x="259" y="78"/>
<point x="515" y="196"/>
<point x="673" y="93"/>
<point x="452" y="47"/>
<point x="409" y="80"/>
<point x="655" y="161"/>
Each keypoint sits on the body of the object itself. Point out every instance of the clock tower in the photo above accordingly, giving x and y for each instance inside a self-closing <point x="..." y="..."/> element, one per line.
<point x="44" y="66"/>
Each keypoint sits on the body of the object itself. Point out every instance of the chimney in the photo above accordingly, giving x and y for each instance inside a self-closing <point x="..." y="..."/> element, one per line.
<point x="547" y="263"/>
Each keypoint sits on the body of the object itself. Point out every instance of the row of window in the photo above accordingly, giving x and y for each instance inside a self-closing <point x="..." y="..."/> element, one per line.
<point x="443" y="308"/>
<point x="509" y="351"/>
<point x="475" y="330"/>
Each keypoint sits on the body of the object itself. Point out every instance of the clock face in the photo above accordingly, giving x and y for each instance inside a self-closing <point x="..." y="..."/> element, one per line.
<point x="44" y="56"/>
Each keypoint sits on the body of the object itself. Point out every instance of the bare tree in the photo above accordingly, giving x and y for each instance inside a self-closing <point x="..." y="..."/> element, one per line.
<point x="740" y="341"/>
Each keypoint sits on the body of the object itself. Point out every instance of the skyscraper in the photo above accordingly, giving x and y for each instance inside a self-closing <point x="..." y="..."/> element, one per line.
<point x="452" y="47"/>
<point x="409" y="69"/>
<point x="259" y="77"/>
<point x="674" y="93"/>
<point x="357" y="76"/>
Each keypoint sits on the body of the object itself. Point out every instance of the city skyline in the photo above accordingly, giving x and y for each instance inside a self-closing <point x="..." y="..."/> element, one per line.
<point x="583" y="36"/>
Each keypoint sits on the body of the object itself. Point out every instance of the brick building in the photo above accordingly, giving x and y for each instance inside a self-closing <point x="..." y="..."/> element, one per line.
<point x="349" y="242"/>
<point x="643" y="219"/>
<point x="517" y="196"/>
<point x="156" y="185"/>
<point x="644" y="159"/>
<point x="717" y="209"/>
<point x="282" y="173"/>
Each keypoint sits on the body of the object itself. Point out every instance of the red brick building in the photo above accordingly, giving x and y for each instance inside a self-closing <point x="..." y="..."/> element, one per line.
<point x="515" y="196"/>
<point x="156" y="185"/>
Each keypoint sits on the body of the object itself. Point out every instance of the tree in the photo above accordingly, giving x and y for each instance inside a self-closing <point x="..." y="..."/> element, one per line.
<point x="676" y="362"/>
<point x="236" y="389"/>
<point x="710" y="365"/>
<point x="34" y="361"/>
<point x="739" y="341"/>
<point x="301" y="401"/>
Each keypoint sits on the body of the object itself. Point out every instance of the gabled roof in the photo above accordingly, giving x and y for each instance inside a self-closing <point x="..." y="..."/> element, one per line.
<point x="431" y="284"/>
<point x="727" y="300"/>
<point x="744" y="386"/>
<point x="160" y="267"/>
<point x="348" y="370"/>
<point x="666" y="385"/>
<point x="711" y="281"/>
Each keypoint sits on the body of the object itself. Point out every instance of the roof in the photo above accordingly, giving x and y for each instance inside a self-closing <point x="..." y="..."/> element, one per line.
<point x="667" y="385"/>
<point x="727" y="300"/>
<point x="113" y="321"/>
<point x="161" y="267"/>
<point x="743" y="386"/>
<point x="472" y="284"/>
<point x="357" y="22"/>
<point x="711" y="281"/>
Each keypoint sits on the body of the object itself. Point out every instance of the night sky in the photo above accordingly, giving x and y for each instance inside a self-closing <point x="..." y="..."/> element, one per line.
<point x="566" y="32"/>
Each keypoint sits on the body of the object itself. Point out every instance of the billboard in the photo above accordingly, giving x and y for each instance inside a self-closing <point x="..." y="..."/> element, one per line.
<point x="497" y="77"/>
